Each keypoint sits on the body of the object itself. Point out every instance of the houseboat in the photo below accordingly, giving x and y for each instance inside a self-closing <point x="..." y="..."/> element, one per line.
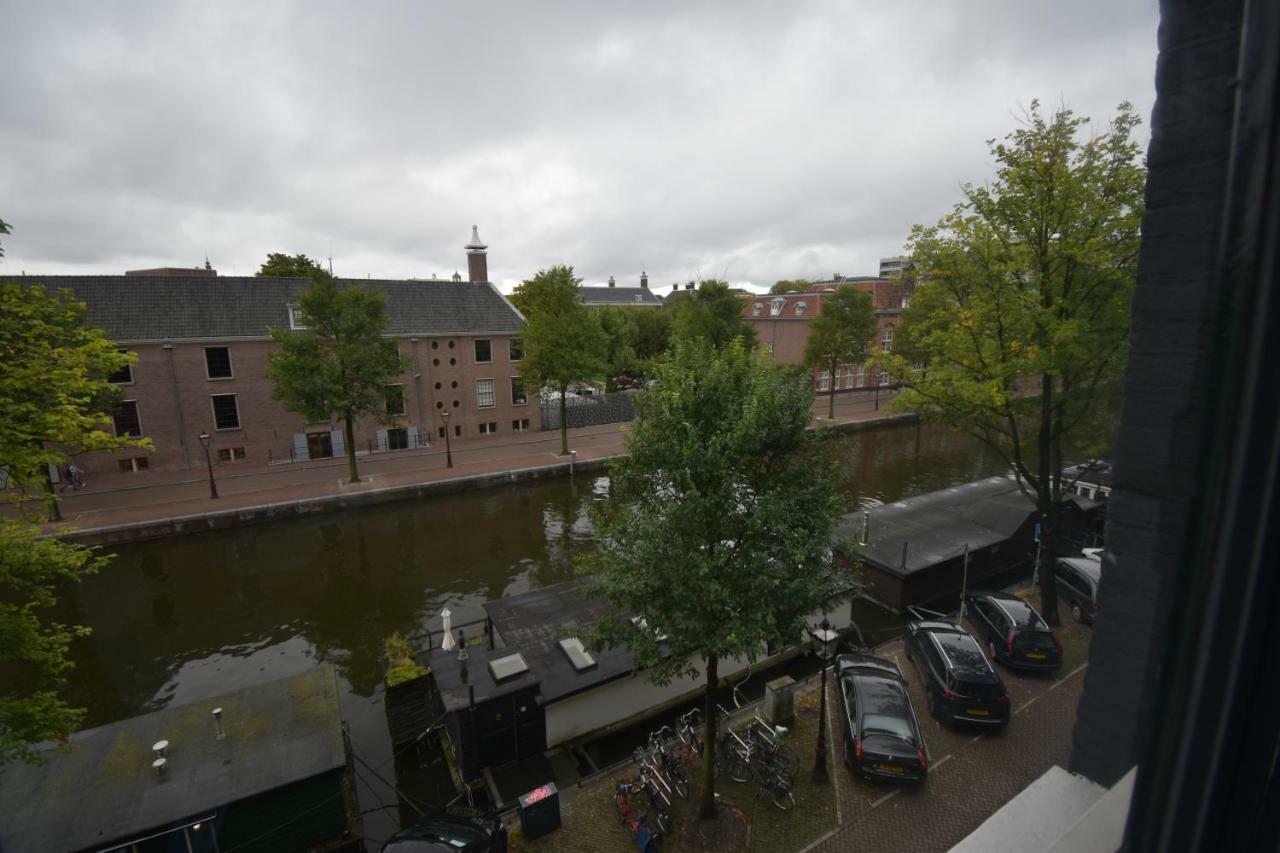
<point x="533" y="686"/>
<point x="913" y="551"/>
<point x="232" y="772"/>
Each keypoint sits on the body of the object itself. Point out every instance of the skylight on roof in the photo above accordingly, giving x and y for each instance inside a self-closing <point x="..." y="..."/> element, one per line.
<point x="507" y="667"/>
<point x="577" y="654"/>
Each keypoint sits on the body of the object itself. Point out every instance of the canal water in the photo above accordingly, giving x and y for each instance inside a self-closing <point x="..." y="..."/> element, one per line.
<point x="183" y="619"/>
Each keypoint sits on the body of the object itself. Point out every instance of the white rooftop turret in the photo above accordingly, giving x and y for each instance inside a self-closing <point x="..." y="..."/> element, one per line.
<point x="475" y="246"/>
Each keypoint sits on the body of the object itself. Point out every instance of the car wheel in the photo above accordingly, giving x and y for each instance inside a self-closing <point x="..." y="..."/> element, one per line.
<point x="1076" y="613"/>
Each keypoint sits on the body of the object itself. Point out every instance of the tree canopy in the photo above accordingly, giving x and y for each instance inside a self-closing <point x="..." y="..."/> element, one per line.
<point x="839" y="335"/>
<point x="55" y="391"/>
<point x="717" y="529"/>
<point x="292" y="266"/>
<point x="33" y="650"/>
<point x="790" y="285"/>
<point x="711" y="313"/>
<point x="5" y="228"/>
<point x="563" y="341"/>
<point x="1022" y="304"/>
<point x="339" y="364"/>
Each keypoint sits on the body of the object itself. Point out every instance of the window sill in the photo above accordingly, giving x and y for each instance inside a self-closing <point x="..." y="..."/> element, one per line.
<point x="218" y="378"/>
<point x="227" y="429"/>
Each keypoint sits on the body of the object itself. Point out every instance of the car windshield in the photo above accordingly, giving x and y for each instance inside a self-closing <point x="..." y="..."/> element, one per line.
<point x="1022" y="613"/>
<point x="877" y="724"/>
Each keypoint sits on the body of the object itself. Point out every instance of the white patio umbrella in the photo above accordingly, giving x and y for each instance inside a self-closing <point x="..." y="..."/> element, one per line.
<point x="447" y="642"/>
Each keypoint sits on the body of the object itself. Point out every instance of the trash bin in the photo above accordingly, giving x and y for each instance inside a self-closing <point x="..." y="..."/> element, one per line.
<point x="540" y="811"/>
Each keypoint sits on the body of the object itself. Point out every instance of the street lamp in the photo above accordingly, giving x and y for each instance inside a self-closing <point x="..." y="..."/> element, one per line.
<point x="824" y="646"/>
<point x="448" y="450"/>
<point x="207" y="440"/>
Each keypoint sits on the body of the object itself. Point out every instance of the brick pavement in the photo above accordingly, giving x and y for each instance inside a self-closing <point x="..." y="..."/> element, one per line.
<point x="125" y="499"/>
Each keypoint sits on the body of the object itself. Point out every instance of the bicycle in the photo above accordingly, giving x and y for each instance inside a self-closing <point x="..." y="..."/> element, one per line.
<point x="768" y="742"/>
<point x="689" y="730"/>
<point x="662" y="754"/>
<point x="657" y="790"/>
<point x="646" y="839"/>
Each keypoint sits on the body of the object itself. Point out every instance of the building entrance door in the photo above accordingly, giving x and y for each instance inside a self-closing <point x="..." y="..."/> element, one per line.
<point x="319" y="445"/>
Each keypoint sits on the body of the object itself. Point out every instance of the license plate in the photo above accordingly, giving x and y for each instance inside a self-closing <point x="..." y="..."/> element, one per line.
<point x="979" y="712"/>
<point x="1036" y="655"/>
<point x="892" y="768"/>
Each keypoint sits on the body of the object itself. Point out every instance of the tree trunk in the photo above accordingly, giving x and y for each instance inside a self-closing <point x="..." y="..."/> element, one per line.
<point x="564" y="421"/>
<point x="351" y="449"/>
<point x="1047" y="504"/>
<point x="51" y="497"/>
<point x="707" y="800"/>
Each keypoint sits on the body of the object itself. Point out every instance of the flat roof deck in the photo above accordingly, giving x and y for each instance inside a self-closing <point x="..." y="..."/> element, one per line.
<point x="105" y="790"/>
<point x="533" y="624"/>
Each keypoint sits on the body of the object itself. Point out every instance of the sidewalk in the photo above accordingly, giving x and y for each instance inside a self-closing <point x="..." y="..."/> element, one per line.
<point x="115" y="503"/>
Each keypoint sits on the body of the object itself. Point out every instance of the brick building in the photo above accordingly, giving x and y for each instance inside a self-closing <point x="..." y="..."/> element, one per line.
<point x="781" y="322"/>
<point x="202" y="343"/>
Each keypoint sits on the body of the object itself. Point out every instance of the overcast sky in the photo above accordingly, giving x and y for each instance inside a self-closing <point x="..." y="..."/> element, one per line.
<point x="749" y="141"/>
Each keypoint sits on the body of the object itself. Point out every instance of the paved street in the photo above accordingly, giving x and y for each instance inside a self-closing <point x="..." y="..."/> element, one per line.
<point x="117" y="498"/>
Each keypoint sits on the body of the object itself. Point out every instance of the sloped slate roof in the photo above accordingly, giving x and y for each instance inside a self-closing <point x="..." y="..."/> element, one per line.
<point x="104" y="790"/>
<point x="152" y="308"/>
<point x="936" y="526"/>
<point x="619" y="296"/>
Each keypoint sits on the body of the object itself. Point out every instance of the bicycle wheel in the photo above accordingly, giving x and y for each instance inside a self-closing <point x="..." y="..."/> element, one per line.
<point x="788" y="760"/>
<point x="783" y="798"/>
<point x="681" y="786"/>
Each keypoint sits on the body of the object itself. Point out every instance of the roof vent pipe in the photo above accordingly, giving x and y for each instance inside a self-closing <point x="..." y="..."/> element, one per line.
<point x="866" y="528"/>
<point x="160" y="748"/>
<point x="217" y="722"/>
<point x="611" y="281"/>
<point x="159" y="766"/>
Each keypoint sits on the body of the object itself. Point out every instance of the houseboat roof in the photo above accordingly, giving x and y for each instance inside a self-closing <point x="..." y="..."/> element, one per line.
<point x="936" y="526"/>
<point x="532" y="624"/>
<point x="104" y="790"/>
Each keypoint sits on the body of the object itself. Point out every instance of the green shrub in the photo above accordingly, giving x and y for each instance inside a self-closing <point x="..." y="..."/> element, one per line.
<point x="401" y="666"/>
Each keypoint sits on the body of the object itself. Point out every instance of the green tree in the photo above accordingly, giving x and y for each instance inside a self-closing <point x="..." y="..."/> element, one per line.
<point x="1023" y="303"/>
<point x="54" y="388"/>
<point x="281" y="265"/>
<point x="563" y="341"/>
<point x="790" y="285"/>
<point x="33" y="651"/>
<point x="712" y="313"/>
<point x="5" y="228"/>
<point x="620" y="358"/>
<point x="338" y="365"/>
<point x="839" y="335"/>
<point x="650" y="335"/>
<point x="717" y="529"/>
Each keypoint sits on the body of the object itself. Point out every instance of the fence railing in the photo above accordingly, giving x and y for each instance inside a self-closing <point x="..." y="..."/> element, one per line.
<point x="591" y="410"/>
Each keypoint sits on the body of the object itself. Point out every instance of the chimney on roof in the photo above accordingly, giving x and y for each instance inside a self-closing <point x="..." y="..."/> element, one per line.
<point x="674" y="288"/>
<point x="457" y="276"/>
<point x="644" y="279"/>
<point x="477" y="260"/>
<point x="611" y="281"/>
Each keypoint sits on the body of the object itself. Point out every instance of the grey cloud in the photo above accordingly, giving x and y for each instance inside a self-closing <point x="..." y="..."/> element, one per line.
<point x="753" y="140"/>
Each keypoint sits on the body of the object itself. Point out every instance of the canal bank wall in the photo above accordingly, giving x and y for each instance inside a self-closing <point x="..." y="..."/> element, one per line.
<point x="271" y="511"/>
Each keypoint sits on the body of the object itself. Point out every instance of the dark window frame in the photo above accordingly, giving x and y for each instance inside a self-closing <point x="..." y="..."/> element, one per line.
<point x="218" y="419"/>
<point x="488" y="344"/>
<point x="137" y="419"/>
<point x="208" y="364"/>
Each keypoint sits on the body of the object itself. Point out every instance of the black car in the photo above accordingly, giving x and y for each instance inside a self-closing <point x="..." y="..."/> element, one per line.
<point x="958" y="679"/>
<point x="456" y="831"/>
<point x="1078" y="579"/>
<point x="881" y="736"/>
<point x="1014" y="632"/>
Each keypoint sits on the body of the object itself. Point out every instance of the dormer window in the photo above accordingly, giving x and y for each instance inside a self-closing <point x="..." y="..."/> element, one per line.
<point x="775" y="307"/>
<point x="756" y="309"/>
<point x="799" y="308"/>
<point x="295" y="317"/>
<point x="639" y="298"/>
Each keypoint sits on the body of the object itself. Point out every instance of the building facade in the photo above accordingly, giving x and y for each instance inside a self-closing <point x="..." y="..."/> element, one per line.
<point x="202" y="343"/>
<point x="782" y="323"/>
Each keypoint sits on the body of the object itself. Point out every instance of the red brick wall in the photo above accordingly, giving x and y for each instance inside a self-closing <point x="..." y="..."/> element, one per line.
<point x="174" y="404"/>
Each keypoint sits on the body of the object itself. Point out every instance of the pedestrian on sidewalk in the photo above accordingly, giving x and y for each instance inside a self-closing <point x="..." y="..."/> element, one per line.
<point x="65" y="474"/>
<point x="77" y="481"/>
